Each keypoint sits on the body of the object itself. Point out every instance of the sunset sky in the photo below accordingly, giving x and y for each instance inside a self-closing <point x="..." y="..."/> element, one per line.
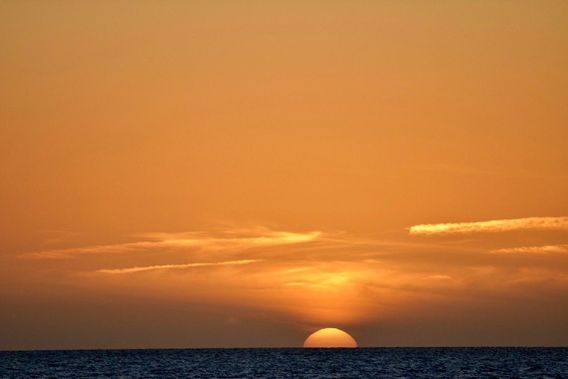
<point x="243" y="173"/>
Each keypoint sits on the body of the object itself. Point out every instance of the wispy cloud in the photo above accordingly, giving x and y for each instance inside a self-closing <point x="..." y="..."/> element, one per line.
<point x="224" y="240"/>
<point x="492" y="226"/>
<point x="437" y="277"/>
<point x="130" y="270"/>
<point x="547" y="249"/>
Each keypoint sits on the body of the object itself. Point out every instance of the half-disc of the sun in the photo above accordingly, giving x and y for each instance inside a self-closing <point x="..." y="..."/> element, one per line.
<point x="330" y="337"/>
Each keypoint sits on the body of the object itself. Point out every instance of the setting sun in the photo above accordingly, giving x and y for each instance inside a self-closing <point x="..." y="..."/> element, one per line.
<point x="330" y="337"/>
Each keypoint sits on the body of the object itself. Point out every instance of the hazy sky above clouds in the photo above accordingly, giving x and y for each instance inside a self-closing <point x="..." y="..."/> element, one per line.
<point x="220" y="173"/>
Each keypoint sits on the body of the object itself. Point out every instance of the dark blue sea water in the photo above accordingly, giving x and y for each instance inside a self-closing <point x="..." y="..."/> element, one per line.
<point x="290" y="363"/>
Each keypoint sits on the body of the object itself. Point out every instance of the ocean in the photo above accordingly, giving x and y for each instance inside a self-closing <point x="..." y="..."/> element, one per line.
<point x="289" y="363"/>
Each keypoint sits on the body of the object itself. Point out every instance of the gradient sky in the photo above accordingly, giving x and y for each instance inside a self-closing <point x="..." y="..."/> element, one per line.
<point x="242" y="173"/>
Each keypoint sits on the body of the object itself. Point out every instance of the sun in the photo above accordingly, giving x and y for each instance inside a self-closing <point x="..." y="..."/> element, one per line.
<point x="330" y="337"/>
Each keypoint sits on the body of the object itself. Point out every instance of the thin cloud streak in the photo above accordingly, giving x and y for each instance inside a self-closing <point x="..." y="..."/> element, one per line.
<point x="492" y="226"/>
<point x="547" y="249"/>
<point x="437" y="277"/>
<point x="131" y="270"/>
<point x="227" y="240"/>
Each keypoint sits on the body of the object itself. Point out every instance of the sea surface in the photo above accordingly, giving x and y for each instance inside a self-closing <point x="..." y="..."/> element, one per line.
<point x="290" y="363"/>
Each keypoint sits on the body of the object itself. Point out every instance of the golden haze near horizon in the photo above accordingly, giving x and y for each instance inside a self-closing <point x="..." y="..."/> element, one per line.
<point x="216" y="174"/>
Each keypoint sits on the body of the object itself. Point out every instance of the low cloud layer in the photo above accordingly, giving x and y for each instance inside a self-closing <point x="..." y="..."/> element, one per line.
<point x="319" y="278"/>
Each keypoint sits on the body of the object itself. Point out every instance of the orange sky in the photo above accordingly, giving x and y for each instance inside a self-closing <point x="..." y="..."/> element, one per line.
<point x="199" y="173"/>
